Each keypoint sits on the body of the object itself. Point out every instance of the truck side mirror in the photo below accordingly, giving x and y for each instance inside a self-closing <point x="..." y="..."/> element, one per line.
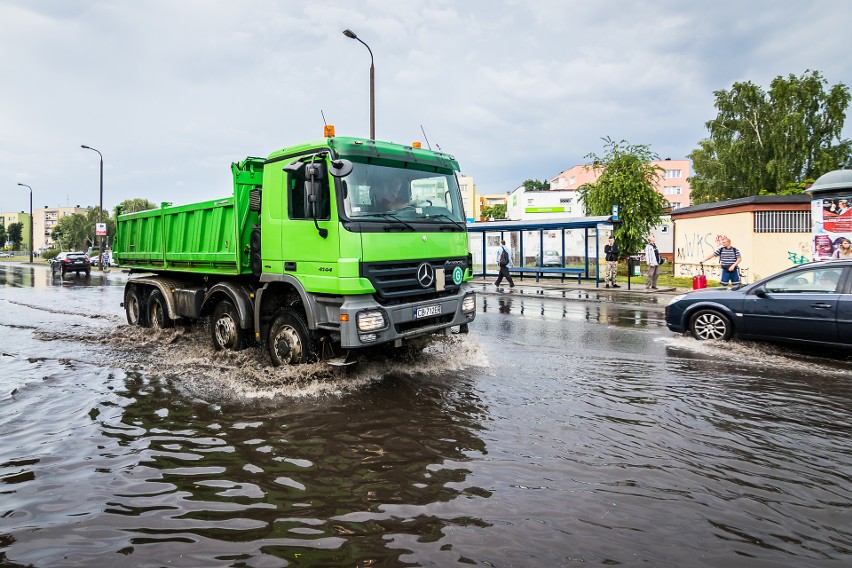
<point x="340" y="168"/>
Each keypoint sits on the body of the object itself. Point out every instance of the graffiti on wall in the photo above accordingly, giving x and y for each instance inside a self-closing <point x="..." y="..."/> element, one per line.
<point x="800" y="256"/>
<point x="699" y="246"/>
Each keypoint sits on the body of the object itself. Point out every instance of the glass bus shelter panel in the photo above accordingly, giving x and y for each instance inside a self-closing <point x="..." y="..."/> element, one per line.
<point x="474" y="245"/>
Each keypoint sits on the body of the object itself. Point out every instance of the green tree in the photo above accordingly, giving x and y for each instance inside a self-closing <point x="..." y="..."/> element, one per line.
<point x="134" y="205"/>
<point x="627" y="180"/>
<point x="535" y="185"/>
<point x="3" y="236"/>
<point x="761" y="142"/>
<point x="75" y="231"/>
<point x="497" y="211"/>
<point x="14" y="233"/>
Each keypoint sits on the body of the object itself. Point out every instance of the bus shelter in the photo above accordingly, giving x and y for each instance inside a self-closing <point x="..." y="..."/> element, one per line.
<point x="552" y="247"/>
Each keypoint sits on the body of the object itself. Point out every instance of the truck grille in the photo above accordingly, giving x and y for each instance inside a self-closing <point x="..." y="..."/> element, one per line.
<point x="396" y="282"/>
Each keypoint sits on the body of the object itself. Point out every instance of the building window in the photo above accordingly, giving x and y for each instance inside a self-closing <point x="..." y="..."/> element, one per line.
<point x="782" y="221"/>
<point x="672" y="174"/>
<point x="572" y="180"/>
<point x="674" y="205"/>
<point x="672" y="190"/>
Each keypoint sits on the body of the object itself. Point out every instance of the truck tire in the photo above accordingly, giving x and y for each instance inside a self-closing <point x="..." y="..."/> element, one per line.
<point x="158" y="314"/>
<point x="133" y="308"/>
<point x="290" y="342"/>
<point x="225" y="328"/>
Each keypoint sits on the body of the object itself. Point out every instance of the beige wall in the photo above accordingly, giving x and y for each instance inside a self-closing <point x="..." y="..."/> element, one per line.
<point x="763" y="253"/>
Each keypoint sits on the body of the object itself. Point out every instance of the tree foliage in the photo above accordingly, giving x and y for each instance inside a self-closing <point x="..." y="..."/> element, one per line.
<point x="14" y="234"/>
<point x="497" y="211"/>
<point x="761" y="142"/>
<point x="77" y="231"/>
<point x="134" y="205"/>
<point x="535" y="185"/>
<point x="3" y="236"/>
<point x="627" y="180"/>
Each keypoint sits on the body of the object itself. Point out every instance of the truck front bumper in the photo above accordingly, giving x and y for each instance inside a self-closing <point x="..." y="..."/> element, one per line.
<point x="364" y="322"/>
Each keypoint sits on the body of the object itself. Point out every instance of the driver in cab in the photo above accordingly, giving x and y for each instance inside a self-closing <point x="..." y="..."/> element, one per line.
<point x="396" y="196"/>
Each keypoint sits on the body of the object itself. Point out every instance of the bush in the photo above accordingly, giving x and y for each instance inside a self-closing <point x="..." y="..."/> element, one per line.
<point x="49" y="254"/>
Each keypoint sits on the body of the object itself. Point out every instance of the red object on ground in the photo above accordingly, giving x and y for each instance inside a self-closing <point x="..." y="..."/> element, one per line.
<point x="699" y="281"/>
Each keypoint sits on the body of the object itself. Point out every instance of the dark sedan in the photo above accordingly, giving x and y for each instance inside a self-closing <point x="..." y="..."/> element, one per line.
<point x="810" y="303"/>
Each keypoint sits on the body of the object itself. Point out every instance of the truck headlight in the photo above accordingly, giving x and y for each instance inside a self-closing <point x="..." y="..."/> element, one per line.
<point x="469" y="303"/>
<point x="371" y="320"/>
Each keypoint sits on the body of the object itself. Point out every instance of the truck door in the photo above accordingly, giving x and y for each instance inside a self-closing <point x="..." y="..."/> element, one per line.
<point x="309" y="236"/>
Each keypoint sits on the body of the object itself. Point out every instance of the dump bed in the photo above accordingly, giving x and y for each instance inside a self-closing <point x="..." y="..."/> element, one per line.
<point x="211" y="237"/>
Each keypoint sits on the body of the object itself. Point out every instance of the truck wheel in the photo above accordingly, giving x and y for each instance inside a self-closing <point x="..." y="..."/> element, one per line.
<point x="710" y="324"/>
<point x="226" y="330"/>
<point x="158" y="314"/>
<point x="133" y="308"/>
<point x="289" y="340"/>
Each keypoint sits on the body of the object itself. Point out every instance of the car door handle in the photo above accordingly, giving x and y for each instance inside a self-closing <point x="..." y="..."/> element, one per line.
<point x="821" y="305"/>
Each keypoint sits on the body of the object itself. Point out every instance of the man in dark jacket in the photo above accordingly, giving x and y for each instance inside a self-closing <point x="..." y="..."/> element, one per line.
<point x="611" y="251"/>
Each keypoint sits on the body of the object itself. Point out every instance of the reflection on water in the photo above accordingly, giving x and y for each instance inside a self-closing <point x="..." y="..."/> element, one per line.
<point x="555" y="433"/>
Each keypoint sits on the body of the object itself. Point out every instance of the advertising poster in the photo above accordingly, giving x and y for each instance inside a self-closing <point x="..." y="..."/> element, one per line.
<point x="832" y="223"/>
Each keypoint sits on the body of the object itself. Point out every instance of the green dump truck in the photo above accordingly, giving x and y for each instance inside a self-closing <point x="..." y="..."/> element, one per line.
<point x="323" y="249"/>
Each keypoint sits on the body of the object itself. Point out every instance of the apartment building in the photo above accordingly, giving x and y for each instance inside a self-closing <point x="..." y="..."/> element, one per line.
<point x="47" y="218"/>
<point x="7" y="219"/>
<point x="673" y="182"/>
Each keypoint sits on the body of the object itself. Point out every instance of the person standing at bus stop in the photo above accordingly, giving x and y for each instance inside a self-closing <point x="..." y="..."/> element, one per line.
<point x="611" y="251"/>
<point x="504" y="261"/>
<point x="729" y="259"/>
<point x="652" y="258"/>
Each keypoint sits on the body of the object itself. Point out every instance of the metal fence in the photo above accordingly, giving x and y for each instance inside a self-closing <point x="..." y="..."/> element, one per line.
<point x="782" y="221"/>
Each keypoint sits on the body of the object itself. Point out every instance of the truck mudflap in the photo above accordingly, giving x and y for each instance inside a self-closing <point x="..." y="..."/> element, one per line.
<point x="364" y="322"/>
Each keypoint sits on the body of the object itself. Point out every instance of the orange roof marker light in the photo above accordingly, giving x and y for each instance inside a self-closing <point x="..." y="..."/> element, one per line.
<point x="328" y="131"/>
<point x="416" y="145"/>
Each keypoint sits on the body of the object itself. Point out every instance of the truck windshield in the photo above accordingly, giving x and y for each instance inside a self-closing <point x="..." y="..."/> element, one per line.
<point x="372" y="191"/>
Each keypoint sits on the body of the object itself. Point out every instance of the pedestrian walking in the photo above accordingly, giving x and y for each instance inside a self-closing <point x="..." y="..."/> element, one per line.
<point x="612" y="252"/>
<point x="504" y="261"/>
<point x="729" y="259"/>
<point x="652" y="258"/>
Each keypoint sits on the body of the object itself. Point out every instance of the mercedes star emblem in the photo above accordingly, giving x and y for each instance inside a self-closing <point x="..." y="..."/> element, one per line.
<point x="425" y="275"/>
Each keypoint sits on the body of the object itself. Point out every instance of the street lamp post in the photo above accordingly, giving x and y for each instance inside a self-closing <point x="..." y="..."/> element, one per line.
<point x="31" y="219"/>
<point x="101" y="211"/>
<point x="351" y="34"/>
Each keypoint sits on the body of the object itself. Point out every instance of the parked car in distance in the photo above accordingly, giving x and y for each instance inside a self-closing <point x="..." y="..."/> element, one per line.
<point x="66" y="262"/>
<point x="552" y="258"/>
<point x="808" y="304"/>
<point x="6" y="255"/>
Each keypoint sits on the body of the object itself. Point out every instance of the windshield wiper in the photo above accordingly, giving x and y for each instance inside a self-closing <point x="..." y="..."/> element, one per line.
<point x="394" y="217"/>
<point x="450" y="219"/>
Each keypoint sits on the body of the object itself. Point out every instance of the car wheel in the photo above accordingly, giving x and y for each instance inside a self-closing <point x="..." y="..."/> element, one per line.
<point x="290" y="342"/>
<point x="88" y="271"/>
<point x="225" y="329"/>
<point x="158" y="314"/>
<point x="710" y="324"/>
<point x="133" y="308"/>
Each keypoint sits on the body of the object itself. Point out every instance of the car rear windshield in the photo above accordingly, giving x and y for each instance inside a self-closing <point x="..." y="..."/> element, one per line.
<point x="77" y="256"/>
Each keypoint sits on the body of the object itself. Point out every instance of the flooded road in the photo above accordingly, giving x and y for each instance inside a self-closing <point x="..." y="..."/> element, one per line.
<point x="557" y="433"/>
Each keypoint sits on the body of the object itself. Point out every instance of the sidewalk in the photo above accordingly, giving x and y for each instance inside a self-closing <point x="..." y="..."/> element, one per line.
<point x="569" y="290"/>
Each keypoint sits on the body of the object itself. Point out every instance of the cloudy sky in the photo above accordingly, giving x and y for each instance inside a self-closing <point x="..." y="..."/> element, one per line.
<point x="173" y="91"/>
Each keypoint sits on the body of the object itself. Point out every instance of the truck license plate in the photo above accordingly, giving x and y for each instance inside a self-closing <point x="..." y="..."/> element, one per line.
<point x="427" y="311"/>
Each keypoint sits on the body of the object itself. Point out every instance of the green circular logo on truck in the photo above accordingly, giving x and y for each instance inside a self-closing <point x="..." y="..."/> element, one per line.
<point x="458" y="274"/>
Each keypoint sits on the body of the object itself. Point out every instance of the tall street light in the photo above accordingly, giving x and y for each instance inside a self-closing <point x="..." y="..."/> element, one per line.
<point x="351" y="34"/>
<point x="101" y="211"/>
<point x="31" y="219"/>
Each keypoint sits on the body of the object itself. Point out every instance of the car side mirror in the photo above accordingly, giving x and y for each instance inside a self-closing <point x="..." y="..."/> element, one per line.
<point x="760" y="292"/>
